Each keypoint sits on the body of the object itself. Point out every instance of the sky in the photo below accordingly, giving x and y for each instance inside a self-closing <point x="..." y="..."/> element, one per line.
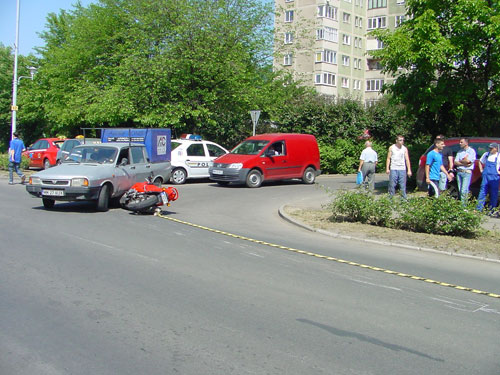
<point x="32" y="19"/>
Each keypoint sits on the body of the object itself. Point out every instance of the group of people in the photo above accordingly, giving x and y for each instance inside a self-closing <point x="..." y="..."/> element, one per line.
<point x="398" y="166"/>
<point x="440" y="169"/>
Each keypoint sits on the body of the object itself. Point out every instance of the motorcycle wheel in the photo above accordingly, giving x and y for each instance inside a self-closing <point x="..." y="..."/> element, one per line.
<point x="142" y="204"/>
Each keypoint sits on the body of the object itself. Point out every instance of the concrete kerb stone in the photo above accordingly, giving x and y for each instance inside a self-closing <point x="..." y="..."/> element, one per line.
<point x="286" y="217"/>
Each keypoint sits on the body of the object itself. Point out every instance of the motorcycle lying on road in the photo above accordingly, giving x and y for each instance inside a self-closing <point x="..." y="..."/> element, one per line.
<point x="146" y="197"/>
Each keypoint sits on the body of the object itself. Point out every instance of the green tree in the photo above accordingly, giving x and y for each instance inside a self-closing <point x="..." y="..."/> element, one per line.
<point x="194" y="66"/>
<point x="446" y="59"/>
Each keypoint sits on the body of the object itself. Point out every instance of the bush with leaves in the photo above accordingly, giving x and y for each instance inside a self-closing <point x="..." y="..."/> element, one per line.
<point x="444" y="215"/>
<point x="342" y="156"/>
<point x="4" y="162"/>
<point x="361" y="206"/>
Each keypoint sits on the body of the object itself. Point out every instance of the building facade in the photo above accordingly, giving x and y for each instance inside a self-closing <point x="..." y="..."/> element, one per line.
<point x="325" y="43"/>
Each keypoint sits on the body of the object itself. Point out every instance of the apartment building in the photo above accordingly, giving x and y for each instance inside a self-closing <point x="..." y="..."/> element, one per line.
<point x="325" y="44"/>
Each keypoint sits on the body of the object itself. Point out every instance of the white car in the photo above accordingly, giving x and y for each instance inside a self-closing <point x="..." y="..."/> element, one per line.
<point x="192" y="156"/>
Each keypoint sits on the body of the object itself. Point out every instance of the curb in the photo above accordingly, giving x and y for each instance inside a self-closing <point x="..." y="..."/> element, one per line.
<point x="286" y="217"/>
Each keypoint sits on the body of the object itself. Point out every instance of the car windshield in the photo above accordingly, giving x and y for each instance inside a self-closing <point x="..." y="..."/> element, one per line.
<point x="92" y="154"/>
<point x="252" y="147"/>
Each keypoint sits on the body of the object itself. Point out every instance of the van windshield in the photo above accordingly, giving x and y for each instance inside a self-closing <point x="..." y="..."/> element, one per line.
<point x="252" y="147"/>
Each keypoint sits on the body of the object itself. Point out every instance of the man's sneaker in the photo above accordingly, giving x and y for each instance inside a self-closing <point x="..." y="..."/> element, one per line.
<point x="23" y="179"/>
<point x="11" y="183"/>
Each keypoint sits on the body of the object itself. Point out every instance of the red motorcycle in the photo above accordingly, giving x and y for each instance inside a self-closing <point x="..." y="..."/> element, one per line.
<point x="146" y="197"/>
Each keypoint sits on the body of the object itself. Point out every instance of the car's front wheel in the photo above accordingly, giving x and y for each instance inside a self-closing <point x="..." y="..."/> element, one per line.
<point x="103" y="200"/>
<point x="254" y="179"/>
<point x="48" y="203"/>
<point x="179" y="176"/>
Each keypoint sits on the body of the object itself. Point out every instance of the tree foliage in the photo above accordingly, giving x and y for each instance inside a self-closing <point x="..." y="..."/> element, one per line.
<point x="194" y="66"/>
<point x="446" y="59"/>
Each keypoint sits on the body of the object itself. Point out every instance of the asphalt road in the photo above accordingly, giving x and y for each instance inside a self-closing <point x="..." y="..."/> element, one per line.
<point x="115" y="293"/>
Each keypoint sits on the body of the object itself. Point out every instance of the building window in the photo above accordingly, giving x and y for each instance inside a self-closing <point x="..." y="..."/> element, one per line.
<point x="348" y="1"/>
<point x="372" y="4"/>
<point x="327" y="11"/>
<point x="327" y="33"/>
<point x="399" y="20"/>
<point x="380" y="44"/>
<point x="326" y="56"/>
<point x="359" y="3"/>
<point x="289" y="16"/>
<point x="358" y="21"/>
<point x="346" y="17"/>
<point x="374" y="84"/>
<point x="288" y="1"/>
<point x="288" y="38"/>
<point x="345" y="82"/>
<point x="325" y="79"/>
<point x="346" y="39"/>
<point x="376" y="23"/>
<point x="374" y="65"/>
<point x="287" y="59"/>
<point x="400" y="2"/>
<point x="356" y="84"/>
<point x="346" y="60"/>
<point x="358" y="42"/>
<point x="357" y="63"/>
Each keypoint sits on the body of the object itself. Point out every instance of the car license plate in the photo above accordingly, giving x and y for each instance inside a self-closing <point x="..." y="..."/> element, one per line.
<point x="217" y="171"/>
<point x="53" y="193"/>
<point x="164" y="198"/>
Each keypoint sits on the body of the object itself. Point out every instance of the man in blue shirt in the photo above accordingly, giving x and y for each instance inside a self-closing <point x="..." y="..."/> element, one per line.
<point x="15" y="150"/>
<point x="434" y="167"/>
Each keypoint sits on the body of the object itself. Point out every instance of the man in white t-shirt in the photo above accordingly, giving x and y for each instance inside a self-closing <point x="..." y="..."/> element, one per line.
<point x="398" y="166"/>
<point x="367" y="165"/>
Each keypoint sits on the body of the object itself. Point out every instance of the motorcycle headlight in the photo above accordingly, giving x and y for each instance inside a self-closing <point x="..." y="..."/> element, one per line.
<point x="79" y="182"/>
<point x="236" y="166"/>
<point x="35" y="181"/>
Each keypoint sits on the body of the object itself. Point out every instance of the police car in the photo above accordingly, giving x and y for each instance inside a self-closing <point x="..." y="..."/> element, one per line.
<point x="192" y="156"/>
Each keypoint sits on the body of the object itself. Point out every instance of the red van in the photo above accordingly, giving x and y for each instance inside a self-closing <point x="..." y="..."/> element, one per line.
<point x="267" y="157"/>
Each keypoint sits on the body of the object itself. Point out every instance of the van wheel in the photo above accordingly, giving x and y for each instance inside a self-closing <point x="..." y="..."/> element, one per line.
<point x="48" y="203"/>
<point x="309" y="175"/>
<point x="254" y="179"/>
<point x="103" y="200"/>
<point x="179" y="176"/>
<point x="46" y="164"/>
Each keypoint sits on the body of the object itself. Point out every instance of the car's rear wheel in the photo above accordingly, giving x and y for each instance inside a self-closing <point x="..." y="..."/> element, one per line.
<point x="309" y="175"/>
<point x="179" y="176"/>
<point x="46" y="164"/>
<point x="254" y="179"/>
<point x="48" y="203"/>
<point x="103" y="200"/>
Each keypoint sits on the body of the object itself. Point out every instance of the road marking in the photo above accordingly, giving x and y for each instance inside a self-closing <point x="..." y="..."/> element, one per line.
<point x="333" y="259"/>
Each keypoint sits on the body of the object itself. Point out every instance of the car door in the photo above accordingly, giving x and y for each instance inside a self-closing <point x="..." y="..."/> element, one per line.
<point x="139" y="163"/>
<point x="197" y="160"/>
<point x="275" y="166"/>
<point x="37" y="152"/>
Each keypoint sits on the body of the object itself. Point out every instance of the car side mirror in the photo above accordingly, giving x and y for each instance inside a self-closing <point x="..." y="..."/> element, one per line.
<point x="124" y="162"/>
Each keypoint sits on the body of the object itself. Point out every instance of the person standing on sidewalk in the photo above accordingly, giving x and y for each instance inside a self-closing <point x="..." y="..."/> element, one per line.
<point x="398" y="166"/>
<point x="16" y="148"/>
<point x="489" y="166"/>
<point x="464" y="162"/>
<point x="433" y="167"/>
<point x="367" y="165"/>
<point x="448" y="161"/>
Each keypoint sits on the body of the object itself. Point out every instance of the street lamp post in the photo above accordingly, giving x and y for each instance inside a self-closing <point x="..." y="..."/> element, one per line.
<point x="15" y="80"/>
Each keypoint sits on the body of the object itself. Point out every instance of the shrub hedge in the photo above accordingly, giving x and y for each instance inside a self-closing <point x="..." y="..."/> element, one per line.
<point x="444" y="215"/>
<point x="4" y="162"/>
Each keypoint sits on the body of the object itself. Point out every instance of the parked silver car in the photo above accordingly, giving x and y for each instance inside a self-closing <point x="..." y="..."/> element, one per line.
<point x="97" y="172"/>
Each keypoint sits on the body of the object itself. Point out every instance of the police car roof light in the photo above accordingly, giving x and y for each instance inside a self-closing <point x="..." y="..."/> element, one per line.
<point x="193" y="137"/>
